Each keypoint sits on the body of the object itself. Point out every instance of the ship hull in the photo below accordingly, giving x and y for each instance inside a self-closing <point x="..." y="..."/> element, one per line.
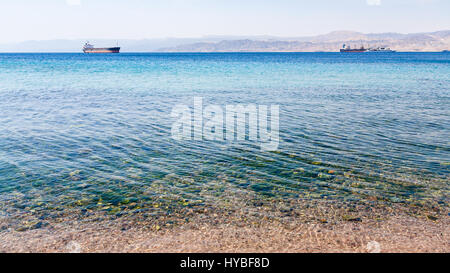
<point x="353" y="50"/>
<point x="382" y="51"/>
<point x="101" y="50"/>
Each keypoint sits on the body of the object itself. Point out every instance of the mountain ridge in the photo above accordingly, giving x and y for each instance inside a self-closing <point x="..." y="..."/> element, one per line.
<point x="332" y="42"/>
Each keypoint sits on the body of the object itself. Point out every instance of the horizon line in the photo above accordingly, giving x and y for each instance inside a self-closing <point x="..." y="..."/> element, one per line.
<point x="200" y="52"/>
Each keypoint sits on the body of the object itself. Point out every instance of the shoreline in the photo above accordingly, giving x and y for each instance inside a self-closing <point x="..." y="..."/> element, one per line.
<point x="394" y="228"/>
<point x="400" y="234"/>
<point x="209" y="52"/>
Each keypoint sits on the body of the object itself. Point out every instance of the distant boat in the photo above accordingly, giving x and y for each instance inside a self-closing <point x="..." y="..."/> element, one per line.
<point x="88" y="48"/>
<point x="382" y="49"/>
<point x="446" y="51"/>
<point x="348" y="49"/>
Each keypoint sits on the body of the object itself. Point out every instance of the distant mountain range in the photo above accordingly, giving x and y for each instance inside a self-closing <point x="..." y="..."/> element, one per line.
<point x="432" y="41"/>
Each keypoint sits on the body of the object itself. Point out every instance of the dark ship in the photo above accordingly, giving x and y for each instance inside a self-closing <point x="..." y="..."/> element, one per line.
<point x="348" y="49"/>
<point x="88" y="48"/>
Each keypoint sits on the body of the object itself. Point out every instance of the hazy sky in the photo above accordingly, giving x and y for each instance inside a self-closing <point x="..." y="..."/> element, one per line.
<point x="136" y="19"/>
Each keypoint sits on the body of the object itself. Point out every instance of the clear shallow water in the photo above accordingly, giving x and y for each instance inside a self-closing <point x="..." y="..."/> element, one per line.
<point x="93" y="132"/>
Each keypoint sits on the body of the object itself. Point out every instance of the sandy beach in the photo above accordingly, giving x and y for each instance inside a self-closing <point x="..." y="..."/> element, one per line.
<point x="403" y="234"/>
<point x="385" y="230"/>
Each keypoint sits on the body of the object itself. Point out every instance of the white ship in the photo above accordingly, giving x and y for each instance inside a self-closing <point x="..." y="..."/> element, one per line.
<point x="381" y="49"/>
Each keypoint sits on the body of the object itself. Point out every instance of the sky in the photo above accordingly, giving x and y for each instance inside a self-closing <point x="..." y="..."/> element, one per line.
<point x="23" y="20"/>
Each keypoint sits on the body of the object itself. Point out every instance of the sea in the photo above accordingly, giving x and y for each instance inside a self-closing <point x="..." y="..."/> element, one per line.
<point x="95" y="132"/>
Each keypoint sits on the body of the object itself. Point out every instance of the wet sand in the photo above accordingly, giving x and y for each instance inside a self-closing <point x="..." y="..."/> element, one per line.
<point x="404" y="234"/>
<point x="233" y="232"/>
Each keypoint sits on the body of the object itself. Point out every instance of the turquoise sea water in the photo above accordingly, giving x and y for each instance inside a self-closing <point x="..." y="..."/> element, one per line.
<point x="93" y="132"/>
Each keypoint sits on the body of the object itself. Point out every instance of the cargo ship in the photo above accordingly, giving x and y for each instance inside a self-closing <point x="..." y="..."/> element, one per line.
<point x="381" y="50"/>
<point x="348" y="49"/>
<point x="88" y="48"/>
